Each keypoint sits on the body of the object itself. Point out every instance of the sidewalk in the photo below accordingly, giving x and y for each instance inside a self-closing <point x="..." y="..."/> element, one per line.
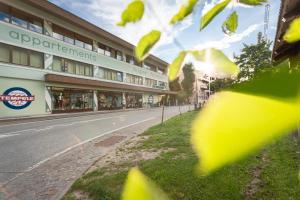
<point x="7" y="120"/>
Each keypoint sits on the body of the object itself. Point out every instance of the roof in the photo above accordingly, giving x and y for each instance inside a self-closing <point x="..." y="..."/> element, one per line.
<point x="289" y="10"/>
<point x="73" y="19"/>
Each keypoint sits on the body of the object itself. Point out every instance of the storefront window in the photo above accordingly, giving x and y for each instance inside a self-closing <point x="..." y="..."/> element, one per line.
<point x="134" y="100"/>
<point x="109" y="100"/>
<point x="68" y="100"/>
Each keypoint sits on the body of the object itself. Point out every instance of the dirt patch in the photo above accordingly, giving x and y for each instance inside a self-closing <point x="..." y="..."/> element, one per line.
<point x="256" y="183"/>
<point x="110" y="141"/>
<point x="126" y="156"/>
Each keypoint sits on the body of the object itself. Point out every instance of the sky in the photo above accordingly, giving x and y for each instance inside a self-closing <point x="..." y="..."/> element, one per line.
<point x="186" y="34"/>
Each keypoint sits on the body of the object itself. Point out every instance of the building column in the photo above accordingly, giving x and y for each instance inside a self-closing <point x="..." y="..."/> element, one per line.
<point x="48" y="99"/>
<point x="95" y="100"/>
<point x="48" y="58"/>
<point x="124" y="100"/>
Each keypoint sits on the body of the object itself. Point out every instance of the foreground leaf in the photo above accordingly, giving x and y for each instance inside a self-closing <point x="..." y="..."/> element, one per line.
<point x="210" y="15"/>
<point x="293" y="33"/>
<point x="139" y="187"/>
<point x="231" y="24"/>
<point x="133" y="13"/>
<point x="176" y="65"/>
<point x="184" y="11"/>
<point x="217" y="61"/>
<point x="146" y="43"/>
<point x="253" y="2"/>
<point x="238" y="121"/>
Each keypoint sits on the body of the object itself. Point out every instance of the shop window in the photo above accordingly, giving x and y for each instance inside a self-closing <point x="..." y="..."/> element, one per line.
<point x="110" y="100"/>
<point x="4" y="53"/>
<point x="36" y="59"/>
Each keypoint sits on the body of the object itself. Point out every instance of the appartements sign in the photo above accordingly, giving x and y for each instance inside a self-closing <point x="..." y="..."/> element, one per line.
<point x="13" y="35"/>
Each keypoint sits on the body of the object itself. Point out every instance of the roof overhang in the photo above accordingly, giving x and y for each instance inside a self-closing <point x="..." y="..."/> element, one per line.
<point x="54" y="78"/>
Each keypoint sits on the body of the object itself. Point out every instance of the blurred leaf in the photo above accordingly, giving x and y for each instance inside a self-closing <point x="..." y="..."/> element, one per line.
<point x="253" y="2"/>
<point x="209" y="16"/>
<point x="293" y="33"/>
<point x="231" y="24"/>
<point x="238" y="121"/>
<point x="139" y="187"/>
<point x="133" y="13"/>
<point x="217" y="61"/>
<point x="176" y="65"/>
<point x="184" y="11"/>
<point x="146" y="43"/>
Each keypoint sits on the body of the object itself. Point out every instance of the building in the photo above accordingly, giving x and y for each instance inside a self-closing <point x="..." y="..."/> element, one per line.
<point x="289" y="10"/>
<point x="202" y="87"/>
<point x="52" y="61"/>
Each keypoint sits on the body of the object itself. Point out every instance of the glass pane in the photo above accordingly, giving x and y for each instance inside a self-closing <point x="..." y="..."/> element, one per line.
<point x="79" y="43"/>
<point x="71" y="67"/>
<point x="68" y="40"/>
<point x="36" y="59"/>
<point x="4" y="17"/>
<point x="19" y="57"/>
<point x="88" y="71"/>
<point x="35" y="28"/>
<point x="99" y="50"/>
<point x="107" y="53"/>
<point x="19" y="22"/>
<point x="119" y="77"/>
<point x="56" y="66"/>
<point x="4" y="53"/>
<point x="88" y="46"/>
<point x="58" y="36"/>
<point x="81" y="70"/>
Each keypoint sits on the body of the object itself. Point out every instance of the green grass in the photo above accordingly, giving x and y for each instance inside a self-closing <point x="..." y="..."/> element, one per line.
<point x="174" y="171"/>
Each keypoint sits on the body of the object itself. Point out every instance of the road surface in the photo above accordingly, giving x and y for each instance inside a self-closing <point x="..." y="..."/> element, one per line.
<point x="25" y="146"/>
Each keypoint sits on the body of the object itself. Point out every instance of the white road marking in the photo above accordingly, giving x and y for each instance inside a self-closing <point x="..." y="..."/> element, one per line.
<point x="5" y="136"/>
<point x="63" y="125"/>
<point x="73" y="147"/>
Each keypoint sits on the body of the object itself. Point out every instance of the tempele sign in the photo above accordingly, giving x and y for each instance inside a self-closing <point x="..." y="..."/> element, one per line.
<point x="17" y="98"/>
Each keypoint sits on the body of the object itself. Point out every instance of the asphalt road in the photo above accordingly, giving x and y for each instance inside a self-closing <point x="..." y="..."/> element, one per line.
<point x="27" y="145"/>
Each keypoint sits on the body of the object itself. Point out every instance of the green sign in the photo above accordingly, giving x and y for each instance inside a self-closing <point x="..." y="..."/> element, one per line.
<point x="13" y="35"/>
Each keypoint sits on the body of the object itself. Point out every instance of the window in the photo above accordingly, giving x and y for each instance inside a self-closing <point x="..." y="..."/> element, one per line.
<point x="36" y="59"/>
<point x="79" y="43"/>
<point x="88" y="46"/>
<point x="150" y="67"/>
<point x="133" y="79"/>
<point x="4" y="53"/>
<point x="19" y="56"/>
<point x="58" y="36"/>
<point x="109" y="74"/>
<point x="68" y="40"/>
<point x="19" y="22"/>
<point x="57" y="63"/>
<point x="4" y="17"/>
<point x="72" y="67"/>
<point x="119" y="55"/>
<point x="161" y="71"/>
<point x="129" y="59"/>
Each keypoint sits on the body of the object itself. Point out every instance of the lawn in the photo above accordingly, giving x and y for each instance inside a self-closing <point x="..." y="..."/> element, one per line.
<point x="276" y="168"/>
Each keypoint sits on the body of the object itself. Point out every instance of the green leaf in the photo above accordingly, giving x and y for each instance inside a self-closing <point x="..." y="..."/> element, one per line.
<point x="176" y="65"/>
<point x="253" y="2"/>
<point x="241" y="120"/>
<point x="184" y="11"/>
<point x="138" y="186"/>
<point x="293" y="33"/>
<point x="146" y="43"/>
<point x="133" y="13"/>
<point x="231" y="24"/>
<point x="217" y="61"/>
<point x="210" y="15"/>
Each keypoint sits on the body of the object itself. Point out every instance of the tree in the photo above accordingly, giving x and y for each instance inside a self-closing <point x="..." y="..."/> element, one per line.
<point x="254" y="58"/>
<point x="175" y="85"/>
<point x="219" y="84"/>
<point x="189" y="78"/>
